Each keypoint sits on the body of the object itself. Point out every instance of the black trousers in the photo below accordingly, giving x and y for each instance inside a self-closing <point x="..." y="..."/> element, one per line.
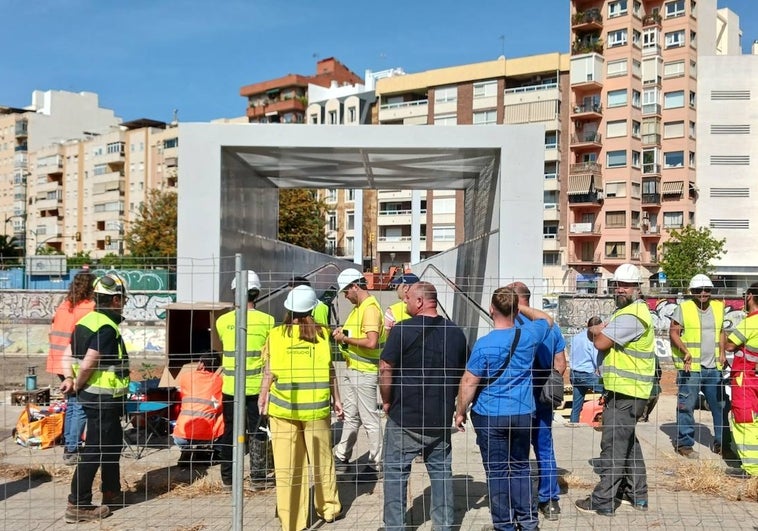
<point x="105" y="440"/>
<point x="227" y="439"/>
<point x="621" y="465"/>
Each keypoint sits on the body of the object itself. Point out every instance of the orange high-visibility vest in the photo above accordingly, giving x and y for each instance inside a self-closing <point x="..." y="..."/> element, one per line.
<point x="201" y="416"/>
<point x="64" y="322"/>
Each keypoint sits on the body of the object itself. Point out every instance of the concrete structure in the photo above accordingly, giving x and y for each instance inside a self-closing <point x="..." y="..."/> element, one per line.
<point x="230" y="174"/>
<point x="414" y="225"/>
<point x="727" y="160"/>
<point x="283" y="100"/>
<point x="53" y="116"/>
<point x="634" y="85"/>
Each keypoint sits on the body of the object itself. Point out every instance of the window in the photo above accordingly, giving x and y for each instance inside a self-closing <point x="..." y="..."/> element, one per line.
<point x="351" y="115"/>
<point x="615" y="250"/>
<point x="618" y="8"/>
<point x="673" y="159"/>
<point x="115" y="147"/>
<point x="673" y="100"/>
<point x="693" y="99"/>
<point x="331" y="246"/>
<point x="446" y="119"/>
<point x="485" y="89"/>
<point x="616" y="128"/>
<point x="551" y="140"/>
<point x="350" y="220"/>
<point x="332" y="118"/>
<point x="331" y="195"/>
<point x="550" y="199"/>
<point x="350" y="194"/>
<point x="170" y="143"/>
<point x="617" y="189"/>
<point x="617" y="38"/>
<point x="636" y="99"/>
<point x="693" y="69"/>
<point x="551" y="258"/>
<point x="636" y="215"/>
<point x="649" y="38"/>
<point x="635" y="164"/>
<point x="692" y="130"/>
<point x="444" y="233"/>
<point x="693" y="39"/>
<point x="617" y="68"/>
<point x="674" y="9"/>
<point x="447" y="94"/>
<point x="615" y="219"/>
<point x="485" y="117"/>
<point x="100" y="169"/>
<point x="331" y="221"/>
<point x="674" y="69"/>
<point x="636" y="38"/>
<point x="673" y="130"/>
<point x="617" y="159"/>
<point x="675" y="39"/>
<point x="635" y="129"/>
<point x="444" y="206"/>
<point x="617" y="98"/>
<point x="692" y="159"/>
<point x="349" y="245"/>
<point x="636" y="68"/>
<point x="313" y="119"/>
<point x="673" y="220"/>
<point x="550" y="230"/>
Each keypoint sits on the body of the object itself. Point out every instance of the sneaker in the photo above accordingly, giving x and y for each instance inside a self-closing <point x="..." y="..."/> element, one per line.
<point x="586" y="506"/>
<point x="716" y="447"/>
<point x="640" y="505"/>
<point x="687" y="452"/>
<point x="550" y="509"/>
<point x="85" y="513"/>
<point x="70" y="458"/>
<point x="737" y="473"/>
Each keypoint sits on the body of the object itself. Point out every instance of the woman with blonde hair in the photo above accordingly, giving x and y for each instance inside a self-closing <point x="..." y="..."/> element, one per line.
<point x="298" y="386"/>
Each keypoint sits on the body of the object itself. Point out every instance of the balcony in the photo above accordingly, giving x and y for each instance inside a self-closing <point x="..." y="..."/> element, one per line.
<point x="651" y="109"/>
<point x="22" y="148"/>
<point x="585" y="167"/>
<point x="654" y="81"/>
<point x="651" y="232"/>
<point x="531" y="94"/>
<point x="590" y="110"/>
<point x="386" y="195"/>
<point x="49" y="186"/>
<point x="552" y="213"/>
<point x="653" y="139"/>
<point x="394" y="217"/>
<point x="651" y="19"/>
<point x="275" y="108"/>
<point x="651" y="169"/>
<point x="584" y="230"/>
<point x="587" y="20"/>
<point x="550" y="242"/>
<point x="48" y="204"/>
<point x="589" y="139"/>
<point x="404" y="110"/>
<point x="651" y="200"/>
<point x="580" y="47"/>
<point x="21" y="160"/>
<point x="21" y="129"/>
<point x="584" y="259"/>
<point x="551" y="183"/>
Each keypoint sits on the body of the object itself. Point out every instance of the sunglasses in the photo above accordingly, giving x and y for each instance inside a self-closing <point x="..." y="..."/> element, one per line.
<point x="698" y="291"/>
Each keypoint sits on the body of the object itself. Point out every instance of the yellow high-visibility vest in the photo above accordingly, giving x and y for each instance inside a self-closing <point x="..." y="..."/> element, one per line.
<point x="692" y="336"/>
<point x="360" y="358"/>
<point x="108" y="378"/>
<point x="258" y="326"/>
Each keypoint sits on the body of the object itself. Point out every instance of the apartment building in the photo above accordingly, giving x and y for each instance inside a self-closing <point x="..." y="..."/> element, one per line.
<point x="633" y="152"/>
<point x="727" y="160"/>
<point x="504" y="91"/>
<point x="284" y="100"/>
<point x="52" y="117"/>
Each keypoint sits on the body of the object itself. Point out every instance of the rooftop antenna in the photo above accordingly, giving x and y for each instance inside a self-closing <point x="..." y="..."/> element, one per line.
<point x="175" y="120"/>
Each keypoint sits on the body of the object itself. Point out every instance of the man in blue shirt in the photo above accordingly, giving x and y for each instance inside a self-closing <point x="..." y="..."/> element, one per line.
<point x="585" y="376"/>
<point x="550" y="354"/>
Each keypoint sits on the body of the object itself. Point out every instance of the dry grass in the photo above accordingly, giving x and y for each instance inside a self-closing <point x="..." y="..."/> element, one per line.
<point x="706" y="477"/>
<point x="572" y="481"/>
<point x="34" y="473"/>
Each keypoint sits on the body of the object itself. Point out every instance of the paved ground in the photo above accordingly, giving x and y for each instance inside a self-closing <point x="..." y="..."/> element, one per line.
<point x="168" y="501"/>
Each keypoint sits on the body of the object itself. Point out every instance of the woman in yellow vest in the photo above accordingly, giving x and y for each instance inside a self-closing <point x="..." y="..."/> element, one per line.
<point x="298" y="384"/>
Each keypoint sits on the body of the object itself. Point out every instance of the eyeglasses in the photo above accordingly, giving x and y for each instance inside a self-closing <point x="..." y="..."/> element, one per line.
<point x="698" y="291"/>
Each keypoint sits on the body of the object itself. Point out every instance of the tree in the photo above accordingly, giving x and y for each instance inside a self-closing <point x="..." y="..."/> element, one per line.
<point x="10" y="248"/>
<point x="689" y="251"/>
<point x="153" y="233"/>
<point x="302" y="218"/>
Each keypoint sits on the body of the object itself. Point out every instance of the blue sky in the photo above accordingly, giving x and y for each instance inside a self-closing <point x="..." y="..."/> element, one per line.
<point x="147" y="57"/>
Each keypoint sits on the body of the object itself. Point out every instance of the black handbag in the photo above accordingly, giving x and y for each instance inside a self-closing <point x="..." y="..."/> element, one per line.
<point x="552" y="390"/>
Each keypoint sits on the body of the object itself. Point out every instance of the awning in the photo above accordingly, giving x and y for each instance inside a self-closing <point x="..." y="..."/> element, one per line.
<point x="672" y="188"/>
<point x="579" y="184"/>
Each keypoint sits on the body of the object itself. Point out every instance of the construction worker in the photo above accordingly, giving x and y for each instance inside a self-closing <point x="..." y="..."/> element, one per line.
<point x="321" y="312"/>
<point x="627" y="346"/>
<point x="296" y="391"/>
<point x="697" y="348"/>
<point x="258" y="326"/>
<point x="743" y="341"/>
<point x="361" y="339"/>
<point x="397" y="312"/>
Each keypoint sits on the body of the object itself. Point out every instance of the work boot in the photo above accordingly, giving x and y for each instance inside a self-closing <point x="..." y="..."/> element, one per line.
<point x="550" y="509"/>
<point x="85" y="513"/>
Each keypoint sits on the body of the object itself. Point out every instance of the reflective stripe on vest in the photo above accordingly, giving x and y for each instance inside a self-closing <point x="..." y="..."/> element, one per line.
<point x="301" y="371"/>
<point x="744" y="434"/>
<point x="630" y="369"/>
<point x="112" y="380"/>
<point x="692" y="334"/>
<point x="201" y="416"/>
<point x="360" y="358"/>
<point x="752" y="357"/>
<point x="258" y="326"/>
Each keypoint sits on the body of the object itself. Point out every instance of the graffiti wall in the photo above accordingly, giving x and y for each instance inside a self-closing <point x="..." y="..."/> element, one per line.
<point x="575" y="311"/>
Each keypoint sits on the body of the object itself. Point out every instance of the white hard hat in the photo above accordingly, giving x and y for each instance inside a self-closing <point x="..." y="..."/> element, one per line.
<point x="253" y="282"/>
<point x="110" y="284"/>
<point x="701" y="281"/>
<point x="302" y="299"/>
<point x="627" y="273"/>
<point x="347" y="277"/>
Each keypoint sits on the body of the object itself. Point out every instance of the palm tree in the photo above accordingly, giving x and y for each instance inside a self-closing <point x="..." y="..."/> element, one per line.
<point x="10" y="248"/>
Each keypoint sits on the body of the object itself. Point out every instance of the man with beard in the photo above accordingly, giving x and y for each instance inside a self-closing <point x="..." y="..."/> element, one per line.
<point x="697" y="346"/>
<point x="627" y="346"/>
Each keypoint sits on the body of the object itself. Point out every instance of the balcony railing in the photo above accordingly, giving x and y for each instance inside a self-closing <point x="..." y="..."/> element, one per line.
<point x="590" y="198"/>
<point x="651" y="199"/>
<point x="586" y="229"/>
<point x="651" y="49"/>
<point x="21" y="128"/>
<point x="652" y="232"/>
<point x="591" y="16"/>
<point x="651" y="169"/>
<point x="403" y="104"/>
<point x="651" y="19"/>
<point x="653" y="138"/>
<point x="531" y="88"/>
<point x="593" y="46"/>
<point x="654" y="81"/>
<point x="584" y="258"/>
<point x="651" y="108"/>
<point x="585" y="167"/>
<point x="586" y="138"/>
<point x="22" y="148"/>
<point x="589" y="107"/>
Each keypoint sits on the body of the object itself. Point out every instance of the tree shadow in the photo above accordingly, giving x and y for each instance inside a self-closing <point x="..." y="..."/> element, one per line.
<point x="356" y="481"/>
<point x="160" y="481"/>
<point x="468" y="494"/>
<point x="20" y="485"/>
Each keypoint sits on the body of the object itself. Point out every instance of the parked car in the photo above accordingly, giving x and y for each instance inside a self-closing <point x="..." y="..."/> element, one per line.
<point x="547" y="304"/>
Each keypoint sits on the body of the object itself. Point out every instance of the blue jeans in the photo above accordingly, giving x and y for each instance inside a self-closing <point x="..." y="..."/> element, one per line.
<point x="74" y="421"/>
<point x="690" y="384"/>
<point x="583" y="383"/>
<point x="504" y="443"/>
<point x="401" y="446"/>
<point x="542" y="441"/>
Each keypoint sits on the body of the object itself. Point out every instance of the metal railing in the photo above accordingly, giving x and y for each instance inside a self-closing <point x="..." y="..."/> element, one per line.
<point x="403" y="104"/>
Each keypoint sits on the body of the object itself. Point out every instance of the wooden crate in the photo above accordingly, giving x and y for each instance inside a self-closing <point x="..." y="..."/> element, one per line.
<point x="41" y="397"/>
